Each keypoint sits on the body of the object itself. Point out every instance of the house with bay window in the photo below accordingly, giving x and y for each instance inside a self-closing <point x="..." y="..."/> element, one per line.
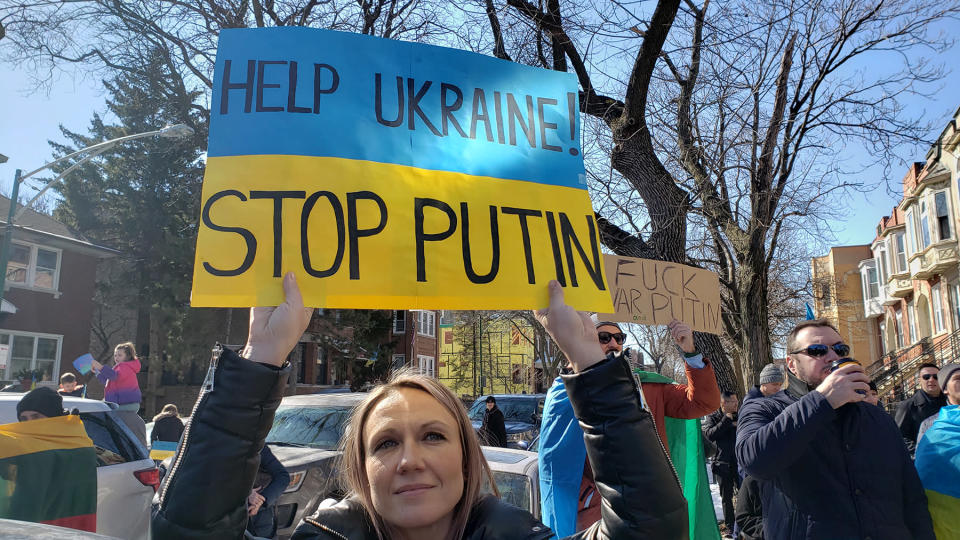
<point x="911" y="285"/>
<point x="48" y="296"/>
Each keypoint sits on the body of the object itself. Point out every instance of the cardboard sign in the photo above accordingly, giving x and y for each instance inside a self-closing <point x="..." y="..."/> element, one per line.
<point x="84" y="364"/>
<point x="161" y="450"/>
<point x="652" y="292"/>
<point x="391" y="175"/>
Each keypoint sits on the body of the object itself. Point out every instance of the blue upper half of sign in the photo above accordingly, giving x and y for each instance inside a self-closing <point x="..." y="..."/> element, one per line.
<point x="312" y="92"/>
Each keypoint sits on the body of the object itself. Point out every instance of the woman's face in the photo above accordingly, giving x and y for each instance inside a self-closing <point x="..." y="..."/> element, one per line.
<point x="414" y="461"/>
<point x="119" y="355"/>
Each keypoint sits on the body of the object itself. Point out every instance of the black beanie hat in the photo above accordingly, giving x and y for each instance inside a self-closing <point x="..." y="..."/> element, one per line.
<point x="43" y="400"/>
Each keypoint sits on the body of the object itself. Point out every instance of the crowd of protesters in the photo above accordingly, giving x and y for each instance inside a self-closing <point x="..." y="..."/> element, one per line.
<point x="808" y="454"/>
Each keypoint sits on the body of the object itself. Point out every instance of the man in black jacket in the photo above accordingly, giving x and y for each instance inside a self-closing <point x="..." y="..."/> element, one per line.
<point x="926" y="401"/>
<point x="721" y="429"/>
<point x="831" y="466"/>
<point x="493" y="431"/>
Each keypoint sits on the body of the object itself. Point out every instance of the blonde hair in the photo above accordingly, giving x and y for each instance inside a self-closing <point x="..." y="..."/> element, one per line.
<point x="475" y="468"/>
<point x="128" y="348"/>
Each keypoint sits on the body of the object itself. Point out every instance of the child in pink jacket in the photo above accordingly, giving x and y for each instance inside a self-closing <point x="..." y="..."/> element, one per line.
<point x="120" y="381"/>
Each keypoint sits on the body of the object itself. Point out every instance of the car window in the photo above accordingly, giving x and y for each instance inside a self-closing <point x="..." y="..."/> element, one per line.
<point x="514" y="489"/>
<point x="515" y="409"/>
<point x="113" y="440"/>
<point x="316" y="427"/>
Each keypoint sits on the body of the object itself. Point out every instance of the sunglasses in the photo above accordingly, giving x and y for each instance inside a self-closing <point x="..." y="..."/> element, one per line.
<point x="928" y="376"/>
<point x="819" y="349"/>
<point x="605" y="337"/>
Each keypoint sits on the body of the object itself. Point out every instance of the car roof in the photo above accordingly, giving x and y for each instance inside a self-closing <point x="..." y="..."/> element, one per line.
<point x="10" y="399"/>
<point x="509" y="459"/>
<point x="485" y="396"/>
<point x="344" y="399"/>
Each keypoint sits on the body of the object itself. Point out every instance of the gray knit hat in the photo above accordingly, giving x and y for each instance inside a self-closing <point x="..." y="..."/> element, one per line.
<point x="945" y="373"/>
<point x="771" y="373"/>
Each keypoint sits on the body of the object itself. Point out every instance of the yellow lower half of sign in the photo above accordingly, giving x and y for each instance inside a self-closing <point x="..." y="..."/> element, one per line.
<point x="362" y="234"/>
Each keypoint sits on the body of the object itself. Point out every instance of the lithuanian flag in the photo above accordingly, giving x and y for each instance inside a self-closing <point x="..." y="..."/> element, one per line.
<point x="48" y="473"/>
<point x="938" y="462"/>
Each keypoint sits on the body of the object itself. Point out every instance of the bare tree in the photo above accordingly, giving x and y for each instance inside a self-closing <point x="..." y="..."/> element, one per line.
<point x="733" y="119"/>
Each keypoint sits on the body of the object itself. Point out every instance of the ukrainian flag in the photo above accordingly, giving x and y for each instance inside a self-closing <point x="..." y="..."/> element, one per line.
<point x="48" y="473"/>
<point x="938" y="463"/>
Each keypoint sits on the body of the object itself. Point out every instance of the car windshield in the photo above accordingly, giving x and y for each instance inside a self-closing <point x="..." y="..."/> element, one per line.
<point x="314" y="427"/>
<point x="515" y="409"/>
<point x="514" y="489"/>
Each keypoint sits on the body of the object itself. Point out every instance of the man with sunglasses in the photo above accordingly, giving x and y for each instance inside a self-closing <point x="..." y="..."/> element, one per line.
<point x="926" y="402"/>
<point x="833" y="466"/>
<point x="568" y="499"/>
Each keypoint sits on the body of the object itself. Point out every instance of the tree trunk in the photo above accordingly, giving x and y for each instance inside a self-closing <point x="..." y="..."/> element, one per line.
<point x="754" y="318"/>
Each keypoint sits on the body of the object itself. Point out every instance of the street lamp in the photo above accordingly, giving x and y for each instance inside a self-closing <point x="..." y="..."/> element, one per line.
<point x="172" y="132"/>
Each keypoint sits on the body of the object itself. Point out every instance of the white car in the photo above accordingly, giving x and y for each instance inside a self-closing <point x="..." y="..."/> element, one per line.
<point x="124" y="490"/>
<point x="517" y="477"/>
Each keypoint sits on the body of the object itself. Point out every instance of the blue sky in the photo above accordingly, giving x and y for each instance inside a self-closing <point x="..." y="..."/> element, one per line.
<point x="31" y="118"/>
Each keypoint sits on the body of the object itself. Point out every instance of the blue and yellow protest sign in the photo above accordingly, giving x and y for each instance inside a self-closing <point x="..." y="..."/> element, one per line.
<point x="389" y="174"/>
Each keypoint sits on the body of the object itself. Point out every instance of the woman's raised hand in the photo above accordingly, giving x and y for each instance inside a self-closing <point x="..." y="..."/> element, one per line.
<point x="275" y="330"/>
<point x="573" y="330"/>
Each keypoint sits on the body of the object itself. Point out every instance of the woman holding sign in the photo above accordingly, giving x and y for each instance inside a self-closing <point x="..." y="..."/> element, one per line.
<point x="411" y="459"/>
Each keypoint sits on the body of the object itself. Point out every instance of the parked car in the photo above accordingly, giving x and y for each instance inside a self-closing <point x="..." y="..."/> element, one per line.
<point x="125" y="486"/>
<point x="14" y="529"/>
<point x="517" y="477"/>
<point x="305" y="437"/>
<point x="521" y="416"/>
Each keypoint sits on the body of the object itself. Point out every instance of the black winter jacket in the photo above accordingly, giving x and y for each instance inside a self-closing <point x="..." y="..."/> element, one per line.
<point x="722" y="431"/>
<point x="750" y="509"/>
<point x="912" y="412"/>
<point x="830" y="474"/>
<point x="204" y="495"/>
<point x="168" y="428"/>
<point x="493" y="431"/>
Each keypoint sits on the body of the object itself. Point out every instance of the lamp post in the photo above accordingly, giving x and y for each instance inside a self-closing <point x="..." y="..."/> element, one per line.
<point x="174" y="132"/>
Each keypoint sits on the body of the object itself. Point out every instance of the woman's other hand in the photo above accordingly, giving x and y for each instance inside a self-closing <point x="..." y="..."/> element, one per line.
<point x="275" y="330"/>
<point x="573" y="330"/>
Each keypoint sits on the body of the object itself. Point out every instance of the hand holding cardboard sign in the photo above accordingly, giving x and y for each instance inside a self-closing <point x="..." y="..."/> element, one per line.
<point x="682" y="336"/>
<point x="572" y="330"/>
<point x="275" y="330"/>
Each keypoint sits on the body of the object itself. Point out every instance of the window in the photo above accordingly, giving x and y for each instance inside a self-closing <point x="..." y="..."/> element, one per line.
<point x="427" y="365"/>
<point x="33" y="266"/>
<point x="937" y="304"/>
<point x="924" y="225"/>
<point x="824" y="293"/>
<point x="399" y="361"/>
<point x="871" y="288"/>
<point x="943" y="215"/>
<point x="399" y="321"/>
<point x="912" y="322"/>
<point x="426" y="323"/>
<point x="912" y="231"/>
<point x="32" y="351"/>
<point x="899" y="329"/>
<point x="882" y="264"/>
<point x="901" y="252"/>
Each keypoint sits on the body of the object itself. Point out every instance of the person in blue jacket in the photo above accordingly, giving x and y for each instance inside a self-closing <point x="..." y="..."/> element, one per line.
<point x="272" y="480"/>
<point x="833" y="467"/>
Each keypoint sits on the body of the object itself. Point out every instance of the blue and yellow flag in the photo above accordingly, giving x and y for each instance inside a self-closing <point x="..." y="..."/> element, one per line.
<point x="938" y="463"/>
<point x="389" y="174"/>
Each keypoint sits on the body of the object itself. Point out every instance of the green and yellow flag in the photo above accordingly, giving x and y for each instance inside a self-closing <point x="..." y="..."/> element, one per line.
<point x="686" y="452"/>
<point x="48" y="473"/>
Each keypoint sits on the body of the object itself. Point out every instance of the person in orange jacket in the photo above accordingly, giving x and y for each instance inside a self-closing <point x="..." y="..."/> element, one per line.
<point x="699" y="397"/>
